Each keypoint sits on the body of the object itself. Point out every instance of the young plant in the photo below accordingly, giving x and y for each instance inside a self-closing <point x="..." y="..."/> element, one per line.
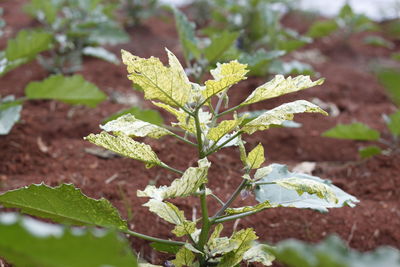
<point x="138" y="10"/>
<point x="208" y="130"/>
<point x="357" y="131"/>
<point x="77" y="28"/>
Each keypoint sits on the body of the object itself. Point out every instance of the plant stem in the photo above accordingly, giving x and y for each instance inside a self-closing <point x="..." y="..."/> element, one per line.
<point x="165" y="166"/>
<point x="227" y="111"/>
<point x="235" y="216"/>
<point x="230" y="200"/>
<point x="222" y="145"/>
<point x="153" y="239"/>
<point x="218" y="199"/>
<point x="184" y="140"/>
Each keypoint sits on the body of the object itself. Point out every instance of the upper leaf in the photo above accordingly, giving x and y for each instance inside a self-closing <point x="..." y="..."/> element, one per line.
<point x="244" y="239"/>
<point x="171" y="214"/>
<point x="223" y="128"/>
<point x="131" y="126"/>
<point x="354" y="131"/>
<point x="279" y="115"/>
<point x="187" y="185"/>
<point x="72" y="90"/>
<point x="126" y="146"/>
<point x="255" y="157"/>
<point x="225" y="75"/>
<point x="278" y="195"/>
<point x="280" y="86"/>
<point x="258" y="253"/>
<point x="63" y="204"/>
<point x="167" y="84"/>
<point x="27" y="242"/>
<point x="301" y="186"/>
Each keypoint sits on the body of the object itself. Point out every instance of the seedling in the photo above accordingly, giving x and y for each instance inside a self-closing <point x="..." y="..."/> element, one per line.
<point x="138" y="10"/>
<point x="209" y="130"/>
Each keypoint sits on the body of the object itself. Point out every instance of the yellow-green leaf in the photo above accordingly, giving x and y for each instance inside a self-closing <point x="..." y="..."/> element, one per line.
<point x="280" y="114"/>
<point x="167" y="84"/>
<point x="280" y="86"/>
<point x="255" y="157"/>
<point x="258" y="253"/>
<point x="225" y="75"/>
<point x="126" y="146"/>
<point x="223" y="128"/>
<point x="131" y="126"/>
<point x="244" y="238"/>
<point x="256" y="208"/>
<point x="184" y="257"/>
<point x="187" y="185"/>
<point x="312" y="187"/>
<point x="171" y="214"/>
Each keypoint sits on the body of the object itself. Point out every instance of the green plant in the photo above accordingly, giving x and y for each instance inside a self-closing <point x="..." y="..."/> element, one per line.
<point x="390" y="78"/>
<point x="170" y="89"/>
<point x="77" y="28"/>
<point x="138" y="10"/>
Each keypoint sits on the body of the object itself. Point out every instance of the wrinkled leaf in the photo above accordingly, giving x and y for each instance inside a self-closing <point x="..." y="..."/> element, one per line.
<point x="131" y="126"/>
<point x="332" y="252"/>
<point x="225" y="75"/>
<point x="64" y="204"/>
<point x="27" y="242"/>
<point x="187" y="185"/>
<point x="369" y="151"/>
<point x="126" y="146"/>
<point x="279" y="115"/>
<point x="280" y="86"/>
<point x="353" y="131"/>
<point x="72" y="90"/>
<point x="9" y="114"/>
<point x="184" y="257"/>
<point x="167" y="84"/>
<point x="223" y="128"/>
<point x="258" y="253"/>
<point x="255" y="157"/>
<point x="277" y="195"/>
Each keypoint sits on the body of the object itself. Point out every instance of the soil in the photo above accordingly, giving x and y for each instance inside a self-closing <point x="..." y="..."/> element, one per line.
<point x="47" y="145"/>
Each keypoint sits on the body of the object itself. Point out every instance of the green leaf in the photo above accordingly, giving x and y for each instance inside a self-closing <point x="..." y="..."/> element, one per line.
<point x="279" y="115"/>
<point x="101" y="53"/>
<point x="187" y="35"/>
<point x="171" y="214"/>
<point x="311" y="187"/>
<point x="147" y="115"/>
<point x="63" y="204"/>
<point x="225" y="75"/>
<point x="108" y="34"/>
<point x="390" y="79"/>
<point x="26" y="242"/>
<point x="369" y="151"/>
<point x="258" y="253"/>
<point x="126" y="146"/>
<point x="322" y="28"/>
<point x="162" y="247"/>
<point x="220" y="43"/>
<point x="280" y="86"/>
<point x="184" y="257"/>
<point x="332" y="252"/>
<point x="244" y="238"/>
<point x="393" y="123"/>
<point x="259" y="60"/>
<point x="277" y="195"/>
<point x="73" y="90"/>
<point x="378" y="41"/>
<point x="27" y="44"/>
<point x="133" y="127"/>
<point x="185" y="186"/>
<point x="354" y="131"/>
<point x="255" y="157"/>
<point x="43" y="10"/>
<point x="167" y="84"/>
<point x="10" y="112"/>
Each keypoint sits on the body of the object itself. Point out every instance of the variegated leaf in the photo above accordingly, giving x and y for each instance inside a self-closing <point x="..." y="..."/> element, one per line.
<point x="255" y="157"/>
<point x="223" y="128"/>
<point x="259" y="253"/>
<point x="131" y="126"/>
<point x="244" y="238"/>
<point x="280" y="114"/>
<point x="217" y="245"/>
<point x="312" y="187"/>
<point x="225" y="75"/>
<point x="167" y="84"/>
<point x="280" y="86"/>
<point x="187" y="185"/>
<point x="256" y="208"/>
<point x="126" y="146"/>
<point x="184" y="257"/>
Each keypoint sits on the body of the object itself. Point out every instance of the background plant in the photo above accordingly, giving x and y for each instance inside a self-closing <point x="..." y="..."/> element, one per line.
<point x="170" y="89"/>
<point x="137" y="11"/>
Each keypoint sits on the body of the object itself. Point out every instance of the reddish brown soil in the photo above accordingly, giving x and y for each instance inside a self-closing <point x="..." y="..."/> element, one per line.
<point x="349" y="84"/>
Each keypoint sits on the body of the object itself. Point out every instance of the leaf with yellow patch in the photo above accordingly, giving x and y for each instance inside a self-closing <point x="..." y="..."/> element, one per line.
<point x="184" y="257"/>
<point x="255" y="157"/>
<point x="258" y="253"/>
<point x="223" y="128"/>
